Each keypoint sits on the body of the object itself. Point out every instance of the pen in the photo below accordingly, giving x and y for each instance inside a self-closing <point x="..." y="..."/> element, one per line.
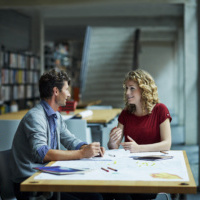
<point x="100" y="154"/>
<point x="163" y="152"/>
<point x="112" y="169"/>
<point x="105" y="169"/>
<point x="111" y="155"/>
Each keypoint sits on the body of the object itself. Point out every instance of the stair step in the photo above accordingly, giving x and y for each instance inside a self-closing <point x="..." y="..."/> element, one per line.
<point x="110" y="58"/>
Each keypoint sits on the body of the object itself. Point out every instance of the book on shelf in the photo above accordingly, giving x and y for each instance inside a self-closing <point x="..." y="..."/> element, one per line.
<point x="15" y="92"/>
<point x="29" y="91"/>
<point x="21" y="61"/>
<point x="4" y="76"/>
<point x="11" y="80"/>
<point x="35" y="77"/>
<point x="6" y="59"/>
<point x="21" y="92"/>
<point x="32" y="64"/>
<point x="13" y="60"/>
<point x="1" y="59"/>
<point x="36" y="91"/>
<point x="5" y="90"/>
<point x="29" y="76"/>
<point x="19" y="75"/>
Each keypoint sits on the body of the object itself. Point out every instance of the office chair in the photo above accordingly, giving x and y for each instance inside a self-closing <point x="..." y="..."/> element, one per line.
<point x="7" y="132"/>
<point x="6" y="185"/>
<point x="79" y="128"/>
<point x="163" y="194"/>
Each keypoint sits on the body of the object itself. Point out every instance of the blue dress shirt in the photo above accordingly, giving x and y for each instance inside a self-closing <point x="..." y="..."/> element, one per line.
<point x="52" y="118"/>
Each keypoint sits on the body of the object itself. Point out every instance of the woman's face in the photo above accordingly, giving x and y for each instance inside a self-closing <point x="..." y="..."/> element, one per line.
<point x="133" y="93"/>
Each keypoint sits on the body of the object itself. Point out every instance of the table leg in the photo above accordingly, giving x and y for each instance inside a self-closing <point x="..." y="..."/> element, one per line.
<point x="58" y="196"/>
<point x="178" y="196"/>
<point x="182" y="196"/>
<point x="174" y="196"/>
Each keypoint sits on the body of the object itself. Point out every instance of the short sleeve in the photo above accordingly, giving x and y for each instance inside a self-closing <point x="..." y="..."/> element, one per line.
<point x="122" y="116"/>
<point x="163" y="113"/>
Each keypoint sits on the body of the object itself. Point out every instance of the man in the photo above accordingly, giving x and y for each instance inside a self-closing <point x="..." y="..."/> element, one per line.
<point x="42" y="129"/>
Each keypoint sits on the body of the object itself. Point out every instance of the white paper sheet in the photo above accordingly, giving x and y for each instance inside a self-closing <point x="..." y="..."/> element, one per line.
<point x="86" y="113"/>
<point x="128" y="169"/>
<point x="66" y="117"/>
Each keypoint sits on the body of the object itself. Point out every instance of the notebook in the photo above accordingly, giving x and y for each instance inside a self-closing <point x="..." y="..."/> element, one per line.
<point x="61" y="170"/>
<point x="152" y="157"/>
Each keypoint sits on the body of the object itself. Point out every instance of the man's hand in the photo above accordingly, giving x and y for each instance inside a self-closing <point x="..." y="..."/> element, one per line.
<point x="92" y="150"/>
<point x="102" y="152"/>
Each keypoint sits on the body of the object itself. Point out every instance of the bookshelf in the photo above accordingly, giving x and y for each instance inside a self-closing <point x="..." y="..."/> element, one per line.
<point x="66" y="56"/>
<point x="19" y="75"/>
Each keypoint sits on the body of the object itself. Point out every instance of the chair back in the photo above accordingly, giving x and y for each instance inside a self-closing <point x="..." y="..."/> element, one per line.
<point x="78" y="127"/>
<point x="7" y="132"/>
<point x="6" y="185"/>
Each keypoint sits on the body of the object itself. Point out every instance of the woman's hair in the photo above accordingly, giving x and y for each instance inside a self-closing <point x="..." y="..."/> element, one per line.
<point x="149" y="93"/>
<point x="52" y="79"/>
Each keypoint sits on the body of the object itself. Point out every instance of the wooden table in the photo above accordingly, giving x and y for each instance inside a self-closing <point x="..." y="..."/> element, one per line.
<point x="13" y="115"/>
<point x="99" y="116"/>
<point x="111" y="186"/>
<point x="84" y="104"/>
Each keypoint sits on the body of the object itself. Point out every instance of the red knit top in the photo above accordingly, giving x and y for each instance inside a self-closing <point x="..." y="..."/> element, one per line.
<point x="144" y="129"/>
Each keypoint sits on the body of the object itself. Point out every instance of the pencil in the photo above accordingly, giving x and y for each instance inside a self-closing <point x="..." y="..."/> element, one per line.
<point x="111" y="155"/>
<point x="105" y="169"/>
<point x="112" y="169"/>
<point x="163" y="152"/>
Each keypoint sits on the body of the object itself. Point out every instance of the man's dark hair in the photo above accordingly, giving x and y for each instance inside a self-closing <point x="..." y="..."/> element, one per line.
<point x="52" y="79"/>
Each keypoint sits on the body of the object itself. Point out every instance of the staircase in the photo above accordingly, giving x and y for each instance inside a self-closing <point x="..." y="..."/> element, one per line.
<point x="109" y="58"/>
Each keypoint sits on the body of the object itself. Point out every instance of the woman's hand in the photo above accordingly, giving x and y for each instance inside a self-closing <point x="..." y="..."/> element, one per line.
<point x="116" y="135"/>
<point x="132" y="146"/>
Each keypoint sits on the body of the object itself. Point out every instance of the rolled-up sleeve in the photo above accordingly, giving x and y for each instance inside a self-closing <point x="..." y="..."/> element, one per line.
<point x="42" y="151"/>
<point x="36" y="133"/>
<point x="80" y="145"/>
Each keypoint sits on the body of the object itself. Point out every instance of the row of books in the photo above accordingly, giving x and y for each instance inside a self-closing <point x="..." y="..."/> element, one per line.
<point x="16" y="92"/>
<point x="4" y="109"/>
<point x="15" y="60"/>
<point x="14" y="76"/>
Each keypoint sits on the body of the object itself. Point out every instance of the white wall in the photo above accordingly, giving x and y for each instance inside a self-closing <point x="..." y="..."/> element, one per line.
<point x="159" y="60"/>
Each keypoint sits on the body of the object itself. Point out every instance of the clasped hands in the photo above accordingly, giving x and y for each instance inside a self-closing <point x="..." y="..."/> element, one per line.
<point x="115" y="139"/>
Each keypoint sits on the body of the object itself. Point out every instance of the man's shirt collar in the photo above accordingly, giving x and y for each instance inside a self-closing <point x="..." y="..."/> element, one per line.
<point x="48" y="109"/>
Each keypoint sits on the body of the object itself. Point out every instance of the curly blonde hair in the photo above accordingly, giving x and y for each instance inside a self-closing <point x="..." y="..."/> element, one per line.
<point x="149" y="93"/>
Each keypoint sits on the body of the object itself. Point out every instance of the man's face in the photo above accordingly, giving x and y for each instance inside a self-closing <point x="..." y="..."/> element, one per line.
<point x="63" y="95"/>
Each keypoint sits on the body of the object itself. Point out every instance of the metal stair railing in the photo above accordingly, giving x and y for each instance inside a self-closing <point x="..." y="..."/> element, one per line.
<point x="83" y="74"/>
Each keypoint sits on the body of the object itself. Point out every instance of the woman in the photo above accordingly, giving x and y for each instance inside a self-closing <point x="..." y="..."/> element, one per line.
<point x="144" y="122"/>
